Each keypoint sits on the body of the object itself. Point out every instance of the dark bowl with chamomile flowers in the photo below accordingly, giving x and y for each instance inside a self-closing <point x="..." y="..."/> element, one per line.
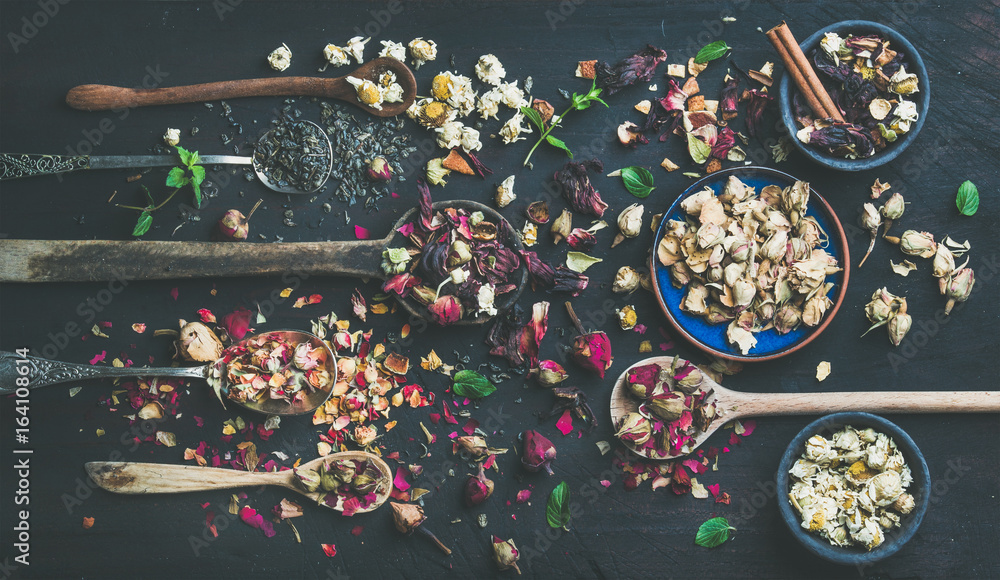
<point x="895" y="538"/>
<point x="912" y="63"/>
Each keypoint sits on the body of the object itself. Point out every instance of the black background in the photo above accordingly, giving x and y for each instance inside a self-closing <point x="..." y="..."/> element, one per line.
<point x="616" y="533"/>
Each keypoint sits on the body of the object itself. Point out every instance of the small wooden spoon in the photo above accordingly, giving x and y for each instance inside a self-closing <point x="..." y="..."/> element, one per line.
<point x="135" y="478"/>
<point x="104" y="97"/>
<point x="735" y="405"/>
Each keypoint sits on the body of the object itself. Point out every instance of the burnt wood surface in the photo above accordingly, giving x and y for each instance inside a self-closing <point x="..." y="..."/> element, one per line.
<point x="614" y="533"/>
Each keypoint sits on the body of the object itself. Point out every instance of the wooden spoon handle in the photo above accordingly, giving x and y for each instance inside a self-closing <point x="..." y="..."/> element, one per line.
<point x="104" y="97"/>
<point x="757" y="404"/>
<point x="120" y="261"/>
<point x="131" y="478"/>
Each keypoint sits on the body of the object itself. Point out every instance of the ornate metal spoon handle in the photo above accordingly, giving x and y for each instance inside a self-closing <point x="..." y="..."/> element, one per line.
<point x="14" y="165"/>
<point x="42" y="372"/>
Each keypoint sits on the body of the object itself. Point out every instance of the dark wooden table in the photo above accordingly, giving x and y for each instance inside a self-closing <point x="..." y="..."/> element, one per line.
<point x="52" y="45"/>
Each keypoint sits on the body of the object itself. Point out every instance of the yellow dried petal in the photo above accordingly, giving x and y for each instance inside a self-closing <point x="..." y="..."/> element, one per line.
<point x="645" y="346"/>
<point x="286" y="293"/>
<point x="380" y="308"/>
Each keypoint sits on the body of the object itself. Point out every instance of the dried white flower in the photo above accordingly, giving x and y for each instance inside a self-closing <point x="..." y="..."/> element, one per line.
<point x="489" y="70"/>
<point x="172" y="137"/>
<point x="422" y="51"/>
<point x="512" y="129"/>
<point x="335" y="55"/>
<point x="512" y="96"/>
<point x="488" y="103"/>
<point x="449" y="135"/>
<point x="356" y="48"/>
<point x="394" y="50"/>
<point x="369" y="93"/>
<point x="280" y="58"/>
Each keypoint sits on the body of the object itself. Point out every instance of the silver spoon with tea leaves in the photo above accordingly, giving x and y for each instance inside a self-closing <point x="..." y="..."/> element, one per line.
<point x="727" y="405"/>
<point x="135" y="478"/>
<point x="32" y="372"/>
<point x="293" y="157"/>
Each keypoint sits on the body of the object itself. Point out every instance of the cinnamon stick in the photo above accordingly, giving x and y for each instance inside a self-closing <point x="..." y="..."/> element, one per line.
<point x="802" y="72"/>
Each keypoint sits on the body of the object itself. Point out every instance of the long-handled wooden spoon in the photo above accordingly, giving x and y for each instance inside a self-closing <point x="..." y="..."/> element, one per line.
<point x="136" y="478"/>
<point x="104" y="97"/>
<point x="735" y="405"/>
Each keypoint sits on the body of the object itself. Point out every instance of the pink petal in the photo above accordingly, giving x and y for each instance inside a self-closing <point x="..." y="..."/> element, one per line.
<point x="406" y="229"/>
<point x="470" y="427"/>
<point x="734" y="439"/>
<point x="714" y="489"/>
<point x="361" y="233"/>
<point x="173" y="292"/>
<point x="640" y="328"/>
<point x="394" y="194"/>
<point x="356" y="530"/>
<point x="400" y="479"/>
<point x="565" y="423"/>
<point x="748" y="427"/>
<point x="490" y="461"/>
<point x="523" y="495"/>
<point x="329" y="549"/>
<point x="99" y="357"/>
<point x="605" y="483"/>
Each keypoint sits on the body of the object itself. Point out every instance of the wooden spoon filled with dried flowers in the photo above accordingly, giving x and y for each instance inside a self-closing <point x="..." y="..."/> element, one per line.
<point x="350" y="481"/>
<point x="665" y="407"/>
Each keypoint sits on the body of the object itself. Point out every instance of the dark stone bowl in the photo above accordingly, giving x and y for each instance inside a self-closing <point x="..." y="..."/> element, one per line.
<point x="894" y="538"/>
<point x="914" y="64"/>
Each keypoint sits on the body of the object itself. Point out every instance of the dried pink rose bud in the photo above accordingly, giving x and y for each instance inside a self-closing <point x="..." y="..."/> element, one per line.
<point x="379" y="169"/>
<point x="957" y="287"/>
<point x="590" y="350"/>
<point x="539" y="452"/>
<point x="505" y="554"/>
<point x="549" y="373"/>
<point x="409" y="517"/>
<point x="445" y="310"/>
<point x="641" y="380"/>
<point x="667" y="406"/>
<point x="899" y="324"/>
<point x="234" y="225"/>
<point x="914" y="243"/>
<point x="478" y="488"/>
<point x="634" y="429"/>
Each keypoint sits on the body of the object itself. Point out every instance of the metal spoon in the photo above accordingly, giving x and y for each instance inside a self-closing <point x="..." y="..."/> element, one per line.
<point x="732" y="405"/>
<point x="43" y="372"/>
<point x="136" y="478"/>
<point x="16" y="165"/>
<point x="92" y="260"/>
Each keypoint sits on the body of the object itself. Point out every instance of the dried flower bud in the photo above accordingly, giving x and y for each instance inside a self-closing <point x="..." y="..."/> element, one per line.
<point x="794" y="200"/>
<point x="539" y="452"/>
<point x="309" y="479"/>
<point x="198" y="343"/>
<point x="505" y="554"/>
<point x="775" y="247"/>
<point x="379" y="169"/>
<point x="894" y="206"/>
<point x="577" y="188"/>
<point x="744" y="292"/>
<point x="365" y="434"/>
<point x="914" y="243"/>
<point x="505" y="192"/>
<point x="364" y="484"/>
<point x="871" y="219"/>
<point x="710" y="235"/>
<point x="668" y="406"/>
<point x="904" y="504"/>
<point x="626" y="280"/>
<point x="459" y="254"/>
<point x="957" y="287"/>
<point x="342" y="470"/>
<point x="944" y="262"/>
<point x="787" y="318"/>
<point x="899" y="324"/>
<point x="629" y="223"/>
<point x="562" y="227"/>
<point x="423" y="294"/>
<point x="234" y="225"/>
<point x="641" y="381"/>
<point x="592" y="351"/>
<point x="172" y="137"/>
<point x="881" y="306"/>
<point x="445" y="310"/>
<point x="634" y="429"/>
<point x="687" y="377"/>
<point x="407" y="517"/>
<point x="478" y="488"/>
<point x="549" y="373"/>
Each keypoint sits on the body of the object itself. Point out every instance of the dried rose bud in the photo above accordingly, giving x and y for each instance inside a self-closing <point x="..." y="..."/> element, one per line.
<point x="744" y="292"/>
<point x="592" y="351"/>
<point x="423" y="294"/>
<point x="478" y="489"/>
<point x="893" y="209"/>
<point x="197" y="343"/>
<point x="364" y="484"/>
<point x="634" y="429"/>
<point x="627" y="280"/>
<point x="667" y="407"/>
<point x="787" y="318"/>
<point x="775" y="247"/>
<point x="341" y="470"/>
<point x="539" y="452"/>
<point x="882" y="304"/>
<point x="687" y="377"/>
<point x="871" y="220"/>
<point x="794" y="200"/>
<point x="914" y="243"/>
<point x="379" y="169"/>
<point x="365" y="434"/>
<point x="473" y="445"/>
<point x="899" y="324"/>
<point x="409" y="517"/>
<point x="308" y="478"/>
<point x="459" y="254"/>
<point x="505" y="554"/>
<point x="641" y="380"/>
<point x="629" y="223"/>
<point x="957" y="287"/>
<point x="445" y="310"/>
<point x="234" y="225"/>
<point x="538" y="212"/>
<point x="944" y="262"/>
<point x="548" y="373"/>
<point x="562" y="226"/>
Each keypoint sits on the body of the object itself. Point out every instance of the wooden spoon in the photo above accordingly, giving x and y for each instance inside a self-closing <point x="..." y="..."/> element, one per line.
<point x="136" y="478"/>
<point x="735" y="405"/>
<point x="105" y="97"/>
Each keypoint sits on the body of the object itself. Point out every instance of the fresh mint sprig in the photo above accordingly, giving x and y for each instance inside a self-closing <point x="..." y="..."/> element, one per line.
<point x="578" y="103"/>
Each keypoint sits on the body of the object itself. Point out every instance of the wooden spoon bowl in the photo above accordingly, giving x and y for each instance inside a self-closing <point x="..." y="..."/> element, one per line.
<point x="138" y="478"/>
<point x="735" y="405"/>
<point x="105" y="97"/>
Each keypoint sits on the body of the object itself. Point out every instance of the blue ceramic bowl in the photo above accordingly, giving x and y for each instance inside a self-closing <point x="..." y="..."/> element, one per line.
<point x="922" y="98"/>
<point x="711" y="338"/>
<point x="894" y="539"/>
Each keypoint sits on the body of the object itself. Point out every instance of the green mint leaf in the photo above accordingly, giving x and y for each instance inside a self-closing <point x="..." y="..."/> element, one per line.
<point x="580" y="102"/>
<point x="638" y="181"/>
<point x="194" y="160"/>
<point x="557" y="509"/>
<point x="185" y="155"/>
<point x="967" y="199"/>
<point x="600" y="101"/>
<point x="713" y="532"/>
<point x="472" y="385"/>
<point x="558" y="143"/>
<point x="142" y="224"/>
<point x="712" y="51"/>
<point x="196" y="186"/>
<point x="197" y="174"/>
<point x="534" y="117"/>
<point x="149" y="196"/>
<point x="177" y="178"/>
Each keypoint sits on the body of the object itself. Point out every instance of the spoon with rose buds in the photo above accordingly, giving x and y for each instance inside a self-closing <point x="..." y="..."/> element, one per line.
<point x="630" y="415"/>
<point x="304" y="391"/>
<point x="136" y="478"/>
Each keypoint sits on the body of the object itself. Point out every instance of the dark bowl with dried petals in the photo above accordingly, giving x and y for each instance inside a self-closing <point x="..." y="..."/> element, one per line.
<point x="895" y="538"/>
<point x="914" y="64"/>
<point x="770" y="344"/>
